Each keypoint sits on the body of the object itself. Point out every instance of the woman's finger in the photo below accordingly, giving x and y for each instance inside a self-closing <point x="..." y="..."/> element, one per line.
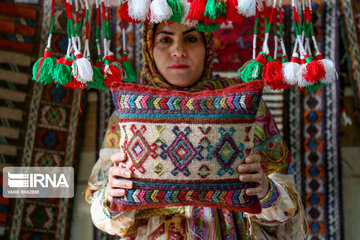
<point x="111" y="192"/>
<point x="254" y="191"/>
<point x="254" y="177"/>
<point x="116" y="183"/>
<point x="253" y="158"/>
<point x="116" y="158"/>
<point x="120" y="172"/>
<point x="249" y="168"/>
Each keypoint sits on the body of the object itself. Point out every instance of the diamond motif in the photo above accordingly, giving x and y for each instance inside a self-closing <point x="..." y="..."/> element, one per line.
<point x="226" y="152"/>
<point x="139" y="149"/>
<point x="204" y="171"/>
<point x="39" y="216"/>
<point x="181" y="145"/>
<point x="158" y="169"/>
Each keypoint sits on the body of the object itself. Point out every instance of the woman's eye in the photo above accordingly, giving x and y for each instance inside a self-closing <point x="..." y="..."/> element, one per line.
<point x="165" y="40"/>
<point x="191" y="39"/>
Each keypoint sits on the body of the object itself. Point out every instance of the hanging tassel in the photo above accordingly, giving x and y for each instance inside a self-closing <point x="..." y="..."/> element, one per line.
<point x="176" y="11"/>
<point x="160" y="11"/>
<point x="273" y="76"/>
<point x="74" y="84"/>
<point x="313" y="70"/>
<point x="290" y="70"/>
<point x="251" y="70"/>
<point x="214" y="9"/>
<point x="98" y="79"/>
<point x="81" y="69"/>
<point x="139" y="9"/>
<point x="130" y="74"/>
<point x="62" y="71"/>
<point x="112" y="70"/>
<point x="329" y="66"/>
<point x="197" y="9"/>
<point x="42" y="69"/>
<point x="232" y="13"/>
<point x="124" y="13"/>
<point x="247" y="7"/>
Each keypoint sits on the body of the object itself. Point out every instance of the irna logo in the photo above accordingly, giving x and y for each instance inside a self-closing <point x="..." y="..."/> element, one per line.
<point x="38" y="182"/>
<point x="34" y="180"/>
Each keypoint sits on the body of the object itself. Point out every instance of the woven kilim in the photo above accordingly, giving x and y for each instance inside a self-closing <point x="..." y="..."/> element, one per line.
<point x="197" y="138"/>
<point x="314" y="119"/>
<point x="49" y="140"/>
<point x="19" y="32"/>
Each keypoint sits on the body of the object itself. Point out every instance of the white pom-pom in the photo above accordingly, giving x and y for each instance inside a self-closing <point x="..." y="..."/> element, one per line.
<point x="290" y="69"/>
<point x="82" y="69"/>
<point x="247" y="7"/>
<point x="331" y="73"/>
<point x="301" y="81"/>
<point x="160" y="11"/>
<point x="139" y="9"/>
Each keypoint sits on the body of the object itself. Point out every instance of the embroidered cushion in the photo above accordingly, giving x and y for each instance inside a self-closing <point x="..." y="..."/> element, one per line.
<point x="184" y="148"/>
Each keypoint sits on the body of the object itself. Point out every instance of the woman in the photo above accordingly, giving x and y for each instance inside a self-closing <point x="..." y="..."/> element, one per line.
<point x="179" y="57"/>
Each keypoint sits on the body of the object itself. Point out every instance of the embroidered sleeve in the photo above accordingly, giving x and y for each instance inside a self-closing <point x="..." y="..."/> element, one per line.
<point x="117" y="224"/>
<point x="285" y="217"/>
<point x="271" y="196"/>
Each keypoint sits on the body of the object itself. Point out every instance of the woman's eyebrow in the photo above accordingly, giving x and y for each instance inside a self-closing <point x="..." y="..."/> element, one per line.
<point x="166" y="32"/>
<point x="190" y="30"/>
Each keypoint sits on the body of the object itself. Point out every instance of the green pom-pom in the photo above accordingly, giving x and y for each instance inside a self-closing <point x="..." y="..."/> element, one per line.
<point x="315" y="87"/>
<point x="176" y="9"/>
<point x="250" y="70"/>
<point x="43" y="68"/>
<point x="62" y="73"/>
<point x="98" y="80"/>
<point x="202" y="27"/>
<point x="130" y="74"/>
<point x="214" y="9"/>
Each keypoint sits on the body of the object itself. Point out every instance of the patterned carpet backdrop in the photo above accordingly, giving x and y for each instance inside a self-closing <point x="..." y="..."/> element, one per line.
<point x="39" y="124"/>
<point x="19" y="33"/>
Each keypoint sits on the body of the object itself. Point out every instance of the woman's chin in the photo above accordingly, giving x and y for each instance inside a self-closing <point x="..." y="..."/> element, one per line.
<point x="180" y="80"/>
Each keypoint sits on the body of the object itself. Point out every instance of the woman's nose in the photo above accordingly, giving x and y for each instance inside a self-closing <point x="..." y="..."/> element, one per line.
<point x="178" y="50"/>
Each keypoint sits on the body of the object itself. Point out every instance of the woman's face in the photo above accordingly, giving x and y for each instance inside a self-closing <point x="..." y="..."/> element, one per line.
<point x="179" y="54"/>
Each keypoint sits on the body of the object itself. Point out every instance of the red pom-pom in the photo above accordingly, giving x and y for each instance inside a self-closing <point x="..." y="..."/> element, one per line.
<point x="231" y="11"/>
<point x="197" y="9"/>
<point x="315" y="71"/>
<point x="273" y="76"/>
<point x="124" y="13"/>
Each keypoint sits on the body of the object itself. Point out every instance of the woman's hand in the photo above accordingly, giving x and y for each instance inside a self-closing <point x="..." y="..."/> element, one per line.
<point x="251" y="171"/>
<point x="115" y="187"/>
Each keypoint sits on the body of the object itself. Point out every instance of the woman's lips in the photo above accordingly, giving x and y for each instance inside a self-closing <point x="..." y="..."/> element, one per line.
<point x="179" y="66"/>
